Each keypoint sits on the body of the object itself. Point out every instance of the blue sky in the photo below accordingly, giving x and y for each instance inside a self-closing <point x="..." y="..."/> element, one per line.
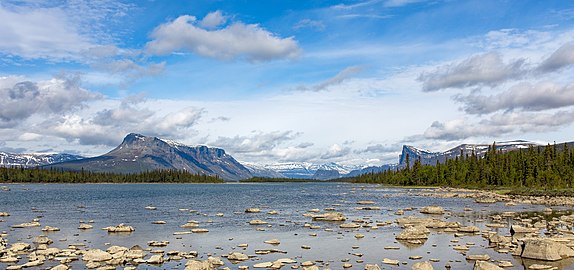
<point x="285" y="81"/>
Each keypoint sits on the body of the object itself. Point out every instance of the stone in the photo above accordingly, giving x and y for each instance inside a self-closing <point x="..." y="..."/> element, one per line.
<point x="478" y="257"/>
<point x="469" y="229"/>
<point x="330" y="216"/>
<point x="60" y="267"/>
<point x="119" y="228"/>
<point x="257" y="222"/>
<point x="516" y="229"/>
<point x="50" y="229"/>
<point x="541" y="267"/>
<point x="201" y="230"/>
<point x="27" y="225"/>
<point x="365" y="202"/>
<point x="157" y="243"/>
<point x="263" y="265"/>
<point x="413" y="233"/>
<point x="84" y="226"/>
<point x="545" y="249"/>
<point x="159" y="222"/>
<point x="433" y="210"/>
<point x="349" y="226"/>
<point x="391" y="262"/>
<point x="272" y="242"/>
<point x="155" y="259"/>
<point x="252" y="210"/>
<point x="372" y="267"/>
<point x="17" y="247"/>
<point x="198" y="265"/>
<point x="237" y="256"/>
<point x="482" y="265"/>
<point x="422" y="266"/>
<point x="96" y="255"/>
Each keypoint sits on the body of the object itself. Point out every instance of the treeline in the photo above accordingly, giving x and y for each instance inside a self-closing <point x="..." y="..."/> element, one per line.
<point x="549" y="167"/>
<point x="36" y="175"/>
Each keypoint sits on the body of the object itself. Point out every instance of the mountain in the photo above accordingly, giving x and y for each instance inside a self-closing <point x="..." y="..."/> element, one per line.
<point x="261" y="171"/>
<point x="371" y="169"/>
<point x="305" y="170"/>
<point x="138" y="153"/>
<point x="33" y="160"/>
<point x="431" y="158"/>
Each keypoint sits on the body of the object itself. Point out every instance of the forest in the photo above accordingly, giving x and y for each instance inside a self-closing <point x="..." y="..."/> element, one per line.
<point x="542" y="167"/>
<point x="37" y="175"/>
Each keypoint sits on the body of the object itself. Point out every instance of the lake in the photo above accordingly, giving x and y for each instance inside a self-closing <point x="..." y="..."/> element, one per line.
<point x="65" y="205"/>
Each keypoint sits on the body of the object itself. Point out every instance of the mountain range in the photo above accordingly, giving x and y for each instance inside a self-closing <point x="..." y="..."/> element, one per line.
<point x="139" y="153"/>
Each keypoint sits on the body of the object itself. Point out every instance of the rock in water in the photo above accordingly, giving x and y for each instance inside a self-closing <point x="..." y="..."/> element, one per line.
<point x="433" y="210"/>
<point x="422" y="266"/>
<point x="545" y="249"/>
<point x="482" y="265"/>
<point x="414" y="233"/>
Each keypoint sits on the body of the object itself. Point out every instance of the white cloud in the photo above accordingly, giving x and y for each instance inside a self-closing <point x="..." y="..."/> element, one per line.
<point x="560" y="59"/>
<point x="40" y="33"/>
<point x="479" y="70"/>
<point x="524" y="96"/>
<point x="213" y="20"/>
<point x="21" y="99"/>
<point x="336" y="151"/>
<point x="237" y="40"/>
<point x="310" y="24"/>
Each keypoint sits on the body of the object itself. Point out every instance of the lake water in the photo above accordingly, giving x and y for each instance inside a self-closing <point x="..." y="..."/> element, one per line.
<point x="65" y="205"/>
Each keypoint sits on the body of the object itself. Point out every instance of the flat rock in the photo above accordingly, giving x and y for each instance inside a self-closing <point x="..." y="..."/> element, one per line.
<point x="422" y="266"/>
<point x="482" y="265"/>
<point x="433" y="210"/>
<point x="545" y="249"/>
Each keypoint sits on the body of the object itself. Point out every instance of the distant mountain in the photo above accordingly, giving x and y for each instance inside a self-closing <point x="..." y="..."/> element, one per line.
<point x="431" y="158"/>
<point x="371" y="169"/>
<point x="261" y="171"/>
<point x="138" y="153"/>
<point x="33" y="160"/>
<point x="305" y="170"/>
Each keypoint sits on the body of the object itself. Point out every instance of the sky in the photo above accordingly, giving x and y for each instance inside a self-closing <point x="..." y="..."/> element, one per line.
<point x="276" y="81"/>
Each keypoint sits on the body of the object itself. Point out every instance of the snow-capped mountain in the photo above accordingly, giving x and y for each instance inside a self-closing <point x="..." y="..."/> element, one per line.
<point x="302" y="170"/>
<point x="33" y="160"/>
<point x="431" y="158"/>
<point x="138" y="153"/>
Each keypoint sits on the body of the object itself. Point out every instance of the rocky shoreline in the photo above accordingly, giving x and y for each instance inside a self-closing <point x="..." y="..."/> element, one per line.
<point x="536" y="240"/>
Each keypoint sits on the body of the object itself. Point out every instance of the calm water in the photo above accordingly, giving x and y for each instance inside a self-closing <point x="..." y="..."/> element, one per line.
<point x="64" y="206"/>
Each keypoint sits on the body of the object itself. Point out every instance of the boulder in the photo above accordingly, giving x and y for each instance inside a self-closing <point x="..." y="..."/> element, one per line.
<point x="330" y="216"/>
<point x="545" y="249"/>
<point x="237" y="256"/>
<point x="257" y="222"/>
<point x="414" y="233"/>
<point x="119" y="228"/>
<point x="96" y="255"/>
<point x="199" y="265"/>
<point x="422" y="266"/>
<point x="433" y="210"/>
<point x="372" y="267"/>
<point x="155" y="259"/>
<point x="482" y="265"/>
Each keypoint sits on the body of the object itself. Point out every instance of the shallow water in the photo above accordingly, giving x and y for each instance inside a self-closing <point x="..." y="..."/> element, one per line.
<point x="65" y="205"/>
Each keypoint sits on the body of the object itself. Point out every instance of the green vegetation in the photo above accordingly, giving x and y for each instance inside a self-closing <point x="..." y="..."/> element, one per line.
<point x="276" y="180"/>
<point x="530" y="170"/>
<point x="36" y="175"/>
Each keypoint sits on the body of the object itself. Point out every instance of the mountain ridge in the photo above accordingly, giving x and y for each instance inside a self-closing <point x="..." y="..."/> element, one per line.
<point x="139" y="153"/>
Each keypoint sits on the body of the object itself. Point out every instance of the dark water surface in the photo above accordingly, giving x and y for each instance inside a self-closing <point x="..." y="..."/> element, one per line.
<point x="65" y="205"/>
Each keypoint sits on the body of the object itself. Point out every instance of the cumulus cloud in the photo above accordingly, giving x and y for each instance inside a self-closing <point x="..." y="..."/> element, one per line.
<point x="524" y="96"/>
<point x="561" y="58"/>
<point x="213" y="20"/>
<point x="237" y="40"/>
<point x="257" y="141"/>
<point x="481" y="70"/>
<point x="379" y="148"/>
<point x="20" y="98"/>
<point x="498" y="125"/>
<point x="336" y="151"/>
